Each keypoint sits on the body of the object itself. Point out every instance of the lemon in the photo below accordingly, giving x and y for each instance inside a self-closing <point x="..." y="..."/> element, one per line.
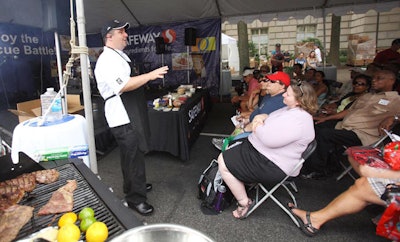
<point x="86" y="213"/>
<point x="86" y="222"/>
<point x="67" y="218"/>
<point x="68" y="233"/>
<point x="97" y="232"/>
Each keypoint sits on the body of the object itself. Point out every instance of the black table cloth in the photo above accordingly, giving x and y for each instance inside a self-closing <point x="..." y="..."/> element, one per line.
<point x="176" y="131"/>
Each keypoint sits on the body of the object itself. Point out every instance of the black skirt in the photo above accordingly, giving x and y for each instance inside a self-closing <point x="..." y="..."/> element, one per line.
<point x="250" y="166"/>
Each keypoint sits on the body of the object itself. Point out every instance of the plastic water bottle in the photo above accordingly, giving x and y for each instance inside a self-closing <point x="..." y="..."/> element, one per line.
<point x="46" y="99"/>
<point x="220" y="198"/>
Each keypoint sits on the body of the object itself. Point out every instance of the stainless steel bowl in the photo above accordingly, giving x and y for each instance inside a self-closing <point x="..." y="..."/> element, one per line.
<point x="162" y="233"/>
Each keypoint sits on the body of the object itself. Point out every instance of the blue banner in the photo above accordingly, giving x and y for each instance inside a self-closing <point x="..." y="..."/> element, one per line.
<point x="198" y="65"/>
<point x="27" y="55"/>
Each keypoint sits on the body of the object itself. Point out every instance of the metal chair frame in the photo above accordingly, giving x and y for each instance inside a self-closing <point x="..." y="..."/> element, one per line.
<point x="283" y="183"/>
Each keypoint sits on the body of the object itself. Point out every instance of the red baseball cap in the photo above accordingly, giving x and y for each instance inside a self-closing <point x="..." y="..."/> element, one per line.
<point x="279" y="76"/>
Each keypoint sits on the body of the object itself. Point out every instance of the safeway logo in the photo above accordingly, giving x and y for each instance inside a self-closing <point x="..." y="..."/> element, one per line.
<point x="169" y="36"/>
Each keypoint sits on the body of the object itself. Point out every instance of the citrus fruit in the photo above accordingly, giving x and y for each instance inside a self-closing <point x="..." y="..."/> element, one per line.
<point x="67" y="218"/>
<point x="97" y="232"/>
<point x="86" y="222"/>
<point x="86" y="213"/>
<point x="68" y="233"/>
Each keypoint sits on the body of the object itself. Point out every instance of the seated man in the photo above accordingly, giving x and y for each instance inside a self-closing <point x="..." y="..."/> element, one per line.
<point x="358" y="126"/>
<point x="275" y="84"/>
<point x="274" y="147"/>
<point x="366" y="190"/>
<point x="252" y="84"/>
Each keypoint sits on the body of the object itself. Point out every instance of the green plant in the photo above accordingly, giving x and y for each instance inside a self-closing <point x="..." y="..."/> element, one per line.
<point x="252" y="49"/>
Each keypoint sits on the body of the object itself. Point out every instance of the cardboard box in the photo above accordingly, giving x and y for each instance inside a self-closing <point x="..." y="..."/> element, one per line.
<point x="30" y="109"/>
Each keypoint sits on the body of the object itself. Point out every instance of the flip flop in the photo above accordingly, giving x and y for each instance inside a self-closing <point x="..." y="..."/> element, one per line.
<point x="308" y="229"/>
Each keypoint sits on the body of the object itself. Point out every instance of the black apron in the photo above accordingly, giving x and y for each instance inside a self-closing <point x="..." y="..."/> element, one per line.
<point x="136" y="107"/>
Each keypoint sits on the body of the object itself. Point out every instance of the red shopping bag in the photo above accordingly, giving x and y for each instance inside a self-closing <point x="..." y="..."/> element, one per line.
<point x="391" y="155"/>
<point x="366" y="155"/>
<point x="388" y="225"/>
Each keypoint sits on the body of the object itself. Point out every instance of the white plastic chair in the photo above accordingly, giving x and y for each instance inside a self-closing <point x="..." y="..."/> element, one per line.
<point x="283" y="183"/>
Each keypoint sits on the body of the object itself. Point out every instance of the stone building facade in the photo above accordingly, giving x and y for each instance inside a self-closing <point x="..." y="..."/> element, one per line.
<point x="289" y="32"/>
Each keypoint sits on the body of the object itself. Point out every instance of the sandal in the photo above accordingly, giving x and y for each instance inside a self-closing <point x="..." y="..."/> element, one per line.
<point x="307" y="228"/>
<point x="242" y="210"/>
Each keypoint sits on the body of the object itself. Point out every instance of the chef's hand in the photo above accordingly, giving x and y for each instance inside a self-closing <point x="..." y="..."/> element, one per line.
<point x="158" y="73"/>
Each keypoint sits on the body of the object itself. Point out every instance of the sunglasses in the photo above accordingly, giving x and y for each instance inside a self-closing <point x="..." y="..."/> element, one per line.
<point x="356" y="83"/>
<point x="299" y="82"/>
<point x="268" y="80"/>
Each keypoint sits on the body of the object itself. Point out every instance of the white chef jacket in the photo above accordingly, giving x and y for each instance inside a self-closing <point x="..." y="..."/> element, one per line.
<point x="112" y="73"/>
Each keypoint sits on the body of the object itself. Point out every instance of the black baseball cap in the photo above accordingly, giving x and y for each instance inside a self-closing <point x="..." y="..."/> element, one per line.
<point x="115" y="24"/>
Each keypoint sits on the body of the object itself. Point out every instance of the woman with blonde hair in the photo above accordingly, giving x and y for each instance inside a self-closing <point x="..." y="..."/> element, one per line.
<point x="273" y="148"/>
<point x="312" y="60"/>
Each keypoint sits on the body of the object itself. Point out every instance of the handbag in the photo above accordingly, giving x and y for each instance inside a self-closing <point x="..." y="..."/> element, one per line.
<point x="391" y="155"/>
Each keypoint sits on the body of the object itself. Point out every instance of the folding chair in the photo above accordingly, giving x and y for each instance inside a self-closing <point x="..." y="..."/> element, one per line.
<point x="286" y="181"/>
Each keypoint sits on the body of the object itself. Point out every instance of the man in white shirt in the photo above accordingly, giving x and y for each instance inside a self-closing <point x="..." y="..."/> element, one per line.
<point x="317" y="53"/>
<point x="113" y="76"/>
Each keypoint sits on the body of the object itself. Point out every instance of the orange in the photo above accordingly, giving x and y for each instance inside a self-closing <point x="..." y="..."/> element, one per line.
<point x="68" y="233"/>
<point x="97" y="232"/>
<point x="67" y="218"/>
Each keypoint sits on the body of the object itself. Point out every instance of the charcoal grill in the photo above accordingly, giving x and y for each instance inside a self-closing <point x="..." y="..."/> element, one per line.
<point x="90" y="192"/>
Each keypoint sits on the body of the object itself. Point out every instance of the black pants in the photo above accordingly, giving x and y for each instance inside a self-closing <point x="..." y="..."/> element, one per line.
<point x="329" y="140"/>
<point x="132" y="163"/>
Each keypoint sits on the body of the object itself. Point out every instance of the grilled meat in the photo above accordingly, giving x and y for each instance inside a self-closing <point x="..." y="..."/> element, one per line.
<point x="46" y="176"/>
<point x="27" y="182"/>
<point x="61" y="200"/>
<point x="12" y="220"/>
<point x="10" y="195"/>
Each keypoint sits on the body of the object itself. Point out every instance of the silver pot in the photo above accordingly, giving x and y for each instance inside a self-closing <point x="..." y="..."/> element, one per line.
<point x="162" y="233"/>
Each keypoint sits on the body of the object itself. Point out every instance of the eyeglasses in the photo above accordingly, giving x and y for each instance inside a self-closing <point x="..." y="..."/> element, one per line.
<point x="356" y="83"/>
<point x="268" y="80"/>
<point x="299" y="82"/>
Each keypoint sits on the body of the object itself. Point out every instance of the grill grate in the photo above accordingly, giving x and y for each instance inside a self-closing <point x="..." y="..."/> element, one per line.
<point x="84" y="196"/>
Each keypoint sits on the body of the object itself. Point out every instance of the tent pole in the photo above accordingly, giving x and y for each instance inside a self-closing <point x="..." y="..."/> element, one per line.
<point x="188" y="66"/>
<point x="63" y="93"/>
<point x="324" y="33"/>
<point x="87" y="100"/>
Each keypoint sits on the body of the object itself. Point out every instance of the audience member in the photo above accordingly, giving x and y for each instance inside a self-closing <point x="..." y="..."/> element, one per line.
<point x="264" y="69"/>
<point x="277" y="59"/>
<point x="287" y="59"/>
<point x="298" y="72"/>
<point x="275" y="85"/>
<point x="320" y="88"/>
<point x="358" y="126"/>
<point x="332" y="113"/>
<point x="301" y="60"/>
<point x="391" y="56"/>
<point x="318" y="54"/>
<point x="366" y="190"/>
<point x="269" y="154"/>
<point x="252" y="83"/>
<point x="309" y="76"/>
<point x="312" y="60"/>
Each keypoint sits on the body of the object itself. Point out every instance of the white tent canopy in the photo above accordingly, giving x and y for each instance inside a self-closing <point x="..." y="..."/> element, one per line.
<point x="98" y="12"/>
